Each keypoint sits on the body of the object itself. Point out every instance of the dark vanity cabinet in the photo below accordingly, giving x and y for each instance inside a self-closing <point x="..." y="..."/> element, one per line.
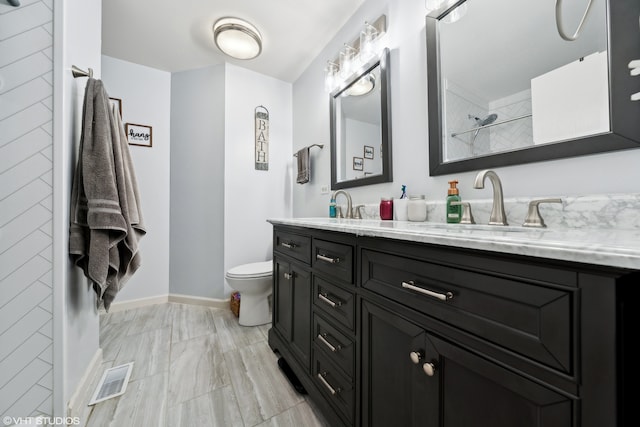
<point x="409" y="334"/>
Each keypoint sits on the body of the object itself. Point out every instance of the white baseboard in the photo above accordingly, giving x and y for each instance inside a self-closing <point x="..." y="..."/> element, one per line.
<point x="209" y="302"/>
<point x="77" y="406"/>
<point x="135" y="303"/>
<point x="159" y="299"/>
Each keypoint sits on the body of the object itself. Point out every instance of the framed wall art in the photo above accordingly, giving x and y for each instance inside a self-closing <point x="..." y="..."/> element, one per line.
<point x="117" y="102"/>
<point x="368" y="152"/>
<point x="139" y="134"/>
<point x="261" y="116"/>
<point x="358" y="163"/>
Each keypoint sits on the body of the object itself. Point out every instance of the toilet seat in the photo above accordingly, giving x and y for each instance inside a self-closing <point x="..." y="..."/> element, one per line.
<point x="254" y="270"/>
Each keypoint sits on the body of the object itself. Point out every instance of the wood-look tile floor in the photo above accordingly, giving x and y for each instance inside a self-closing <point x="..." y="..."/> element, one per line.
<point x="195" y="366"/>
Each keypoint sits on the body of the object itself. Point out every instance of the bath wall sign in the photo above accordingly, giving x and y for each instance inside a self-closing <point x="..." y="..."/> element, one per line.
<point x="262" y="137"/>
<point x="138" y="134"/>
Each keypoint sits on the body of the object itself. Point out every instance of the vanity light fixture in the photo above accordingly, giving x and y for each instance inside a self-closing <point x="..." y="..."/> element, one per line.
<point x="354" y="55"/>
<point x="330" y="76"/>
<point x="237" y="38"/>
<point x="362" y="87"/>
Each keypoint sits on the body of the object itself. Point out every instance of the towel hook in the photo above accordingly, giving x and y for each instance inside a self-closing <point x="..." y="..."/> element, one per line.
<point x="77" y="72"/>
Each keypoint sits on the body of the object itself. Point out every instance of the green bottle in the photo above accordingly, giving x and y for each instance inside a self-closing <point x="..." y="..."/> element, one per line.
<point x="454" y="212"/>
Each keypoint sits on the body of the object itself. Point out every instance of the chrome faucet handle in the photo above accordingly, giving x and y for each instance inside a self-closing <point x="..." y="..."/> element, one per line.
<point x="339" y="212"/>
<point x="467" y="216"/>
<point x="534" y="219"/>
<point x="356" y="212"/>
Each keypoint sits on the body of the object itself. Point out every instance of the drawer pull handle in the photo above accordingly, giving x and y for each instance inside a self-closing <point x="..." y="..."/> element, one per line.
<point x="327" y="259"/>
<point x="287" y="276"/>
<point x="288" y="245"/>
<point x="332" y="390"/>
<point x="411" y="285"/>
<point x="334" y="304"/>
<point x="323" y="339"/>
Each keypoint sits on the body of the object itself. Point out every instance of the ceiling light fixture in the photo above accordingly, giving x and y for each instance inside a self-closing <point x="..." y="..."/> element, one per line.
<point x="363" y="86"/>
<point x="237" y="38"/>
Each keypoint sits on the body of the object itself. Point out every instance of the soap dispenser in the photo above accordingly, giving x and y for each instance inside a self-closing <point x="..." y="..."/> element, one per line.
<point x="454" y="212"/>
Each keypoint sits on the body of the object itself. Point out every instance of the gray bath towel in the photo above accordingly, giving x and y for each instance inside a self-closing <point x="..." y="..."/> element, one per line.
<point x="304" y="166"/>
<point x="105" y="219"/>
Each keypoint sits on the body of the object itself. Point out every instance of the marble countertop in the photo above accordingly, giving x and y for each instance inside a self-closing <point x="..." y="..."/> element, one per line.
<point x="609" y="247"/>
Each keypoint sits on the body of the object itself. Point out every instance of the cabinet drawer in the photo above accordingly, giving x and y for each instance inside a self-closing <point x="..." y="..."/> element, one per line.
<point x="533" y="320"/>
<point x="337" y="346"/>
<point x="333" y="259"/>
<point x="294" y="245"/>
<point x="337" y="388"/>
<point x="338" y="303"/>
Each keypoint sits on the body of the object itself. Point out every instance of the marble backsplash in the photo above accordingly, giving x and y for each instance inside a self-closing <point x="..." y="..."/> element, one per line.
<point x="619" y="211"/>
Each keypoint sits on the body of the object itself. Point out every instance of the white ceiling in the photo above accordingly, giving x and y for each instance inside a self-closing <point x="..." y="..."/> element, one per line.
<point x="175" y="35"/>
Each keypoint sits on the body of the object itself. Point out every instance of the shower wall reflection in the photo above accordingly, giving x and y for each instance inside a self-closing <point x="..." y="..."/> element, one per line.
<point x="482" y="128"/>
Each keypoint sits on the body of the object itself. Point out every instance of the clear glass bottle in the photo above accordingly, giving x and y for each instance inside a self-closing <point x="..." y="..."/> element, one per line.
<point x="417" y="208"/>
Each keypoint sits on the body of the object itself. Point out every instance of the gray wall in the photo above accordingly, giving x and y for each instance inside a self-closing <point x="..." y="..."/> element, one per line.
<point x="197" y="182"/>
<point x="26" y="210"/>
<point x="616" y="172"/>
<point x="146" y="99"/>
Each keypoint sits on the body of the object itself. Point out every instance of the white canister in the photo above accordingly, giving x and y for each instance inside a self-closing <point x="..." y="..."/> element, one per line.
<point x="417" y="208"/>
<point x="400" y="209"/>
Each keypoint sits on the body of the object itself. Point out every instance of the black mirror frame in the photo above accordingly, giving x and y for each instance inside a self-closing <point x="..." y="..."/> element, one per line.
<point x="623" y="46"/>
<point x="385" y="100"/>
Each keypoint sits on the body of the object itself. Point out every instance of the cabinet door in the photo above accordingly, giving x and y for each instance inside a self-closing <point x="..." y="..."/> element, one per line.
<point x="478" y="392"/>
<point x="282" y="309"/>
<point x="413" y="378"/>
<point x="292" y="308"/>
<point x="301" y="311"/>
<point x="395" y="391"/>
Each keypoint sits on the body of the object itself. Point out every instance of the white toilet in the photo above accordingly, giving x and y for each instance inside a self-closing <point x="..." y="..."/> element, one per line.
<point x="254" y="282"/>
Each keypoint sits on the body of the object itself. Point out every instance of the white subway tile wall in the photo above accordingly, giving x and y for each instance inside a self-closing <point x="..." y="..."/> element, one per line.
<point x="26" y="144"/>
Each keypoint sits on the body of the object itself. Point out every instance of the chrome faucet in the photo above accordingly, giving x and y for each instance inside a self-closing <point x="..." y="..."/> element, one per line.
<point x="498" y="216"/>
<point x="349" y="204"/>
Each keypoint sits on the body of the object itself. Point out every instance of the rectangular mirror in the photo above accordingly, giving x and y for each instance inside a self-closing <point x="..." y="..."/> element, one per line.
<point x="506" y="88"/>
<point x="361" y="127"/>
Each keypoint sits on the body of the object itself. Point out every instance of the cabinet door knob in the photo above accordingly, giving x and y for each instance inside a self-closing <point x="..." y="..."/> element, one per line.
<point x="429" y="369"/>
<point x="287" y="276"/>
<point x="415" y="356"/>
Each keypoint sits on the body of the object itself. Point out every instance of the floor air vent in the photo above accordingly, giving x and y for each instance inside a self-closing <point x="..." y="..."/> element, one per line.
<point x="113" y="383"/>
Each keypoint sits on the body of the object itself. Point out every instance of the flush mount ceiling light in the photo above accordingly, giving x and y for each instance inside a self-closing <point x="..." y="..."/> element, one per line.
<point x="362" y="86"/>
<point x="237" y="38"/>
